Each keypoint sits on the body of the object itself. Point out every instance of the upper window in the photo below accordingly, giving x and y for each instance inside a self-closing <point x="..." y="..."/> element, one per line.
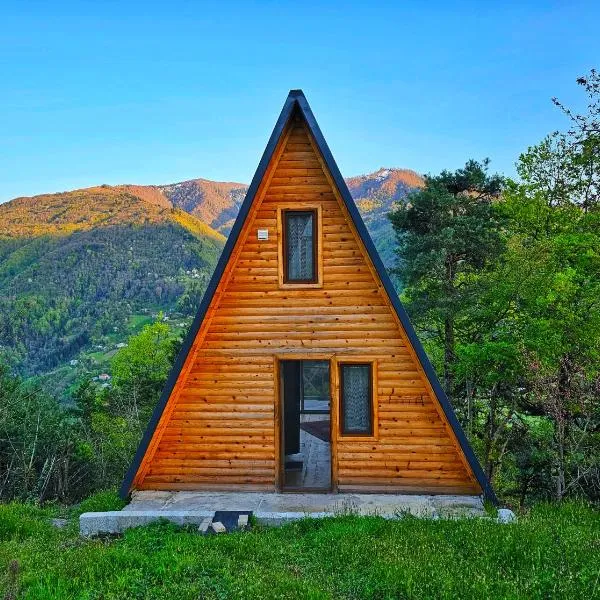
<point x="356" y="399"/>
<point x="300" y="246"/>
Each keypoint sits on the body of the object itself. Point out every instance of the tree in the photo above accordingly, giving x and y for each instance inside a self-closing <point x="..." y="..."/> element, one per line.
<point x="542" y="301"/>
<point x="140" y="369"/>
<point x="49" y="451"/>
<point x="508" y="296"/>
<point x="554" y="226"/>
<point x="582" y="145"/>
<point x="39" y="444"/>
<point x="447" y="232"/>
<point x="112" y="419"/>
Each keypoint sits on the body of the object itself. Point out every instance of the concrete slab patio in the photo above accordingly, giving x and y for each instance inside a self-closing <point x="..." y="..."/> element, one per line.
<point x="193" y="508"/>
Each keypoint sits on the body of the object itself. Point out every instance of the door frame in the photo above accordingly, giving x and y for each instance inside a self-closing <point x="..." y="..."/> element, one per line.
<point x="279" y="424"/>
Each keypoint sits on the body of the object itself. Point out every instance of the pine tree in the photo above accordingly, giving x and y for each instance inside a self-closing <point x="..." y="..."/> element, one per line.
<point x="446" y="232"/>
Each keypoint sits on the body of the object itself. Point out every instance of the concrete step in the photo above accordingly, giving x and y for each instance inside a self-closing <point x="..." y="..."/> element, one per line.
<point x="192" y="508"/>
<point x="112" y="522"/>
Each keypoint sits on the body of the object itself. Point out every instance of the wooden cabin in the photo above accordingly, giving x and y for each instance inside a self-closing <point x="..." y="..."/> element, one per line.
<point x="301" y="370"/>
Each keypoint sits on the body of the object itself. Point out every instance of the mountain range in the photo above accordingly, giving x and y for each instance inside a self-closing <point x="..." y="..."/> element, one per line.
<point x="81" y="270"/>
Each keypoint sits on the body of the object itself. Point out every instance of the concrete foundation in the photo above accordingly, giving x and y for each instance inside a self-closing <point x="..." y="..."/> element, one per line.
<point x="192" y="508"/>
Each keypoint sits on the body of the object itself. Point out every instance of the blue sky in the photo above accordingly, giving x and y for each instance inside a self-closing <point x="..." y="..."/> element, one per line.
<point x="158" y="92"/>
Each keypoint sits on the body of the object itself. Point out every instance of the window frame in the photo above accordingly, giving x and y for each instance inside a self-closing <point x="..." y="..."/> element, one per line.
<point x="372" y="416"/>
<point x="300" y="207"/>
<point x="285" y="214"/>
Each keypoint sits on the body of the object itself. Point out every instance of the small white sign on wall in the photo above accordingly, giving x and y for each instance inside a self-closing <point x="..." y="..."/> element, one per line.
<point x="263" y="234"/>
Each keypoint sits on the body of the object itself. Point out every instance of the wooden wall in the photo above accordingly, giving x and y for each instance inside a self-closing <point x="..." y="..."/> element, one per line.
<point x="220" y="429"/>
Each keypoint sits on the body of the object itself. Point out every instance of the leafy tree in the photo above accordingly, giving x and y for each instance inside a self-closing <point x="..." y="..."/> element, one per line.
<point x="109" y="439"/>
<point x="582" y="145"/>
<point x="528" y="465"/>
<point x="447" y="232"/>
<point x="51" y="451"/>
<point x="140" y="370"/>
<point x="555" y="238"/>
<point x="546" y="288"/>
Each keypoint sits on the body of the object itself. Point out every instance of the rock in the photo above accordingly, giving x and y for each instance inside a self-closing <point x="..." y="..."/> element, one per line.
<point x="205" y="525"/>
<point x="505" y="515"/>
<point x="243" y="521"/>
<point x="59" y="523"/>
<point x="218" y="527"/>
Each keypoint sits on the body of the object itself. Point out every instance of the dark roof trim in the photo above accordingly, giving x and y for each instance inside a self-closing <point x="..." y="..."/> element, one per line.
<point x="297" y="99"/>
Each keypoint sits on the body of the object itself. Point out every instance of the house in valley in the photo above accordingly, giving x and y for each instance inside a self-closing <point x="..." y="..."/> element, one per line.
<point x="302" y="370"/>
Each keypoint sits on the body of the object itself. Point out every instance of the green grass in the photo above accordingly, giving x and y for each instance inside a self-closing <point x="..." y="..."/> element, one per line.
<point x="137" y="321"/>
<point x="554" y="552"/>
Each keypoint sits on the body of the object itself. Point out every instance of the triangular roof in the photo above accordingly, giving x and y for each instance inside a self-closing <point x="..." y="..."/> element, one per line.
<point x="296" y="103"/>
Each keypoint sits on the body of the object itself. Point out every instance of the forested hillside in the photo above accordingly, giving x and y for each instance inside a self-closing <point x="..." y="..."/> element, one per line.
<point x="376" y="195"/>
<point x="75" y="267"/>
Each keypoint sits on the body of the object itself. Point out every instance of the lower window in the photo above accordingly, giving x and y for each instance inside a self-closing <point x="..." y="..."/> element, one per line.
<point x="356" y="389"/>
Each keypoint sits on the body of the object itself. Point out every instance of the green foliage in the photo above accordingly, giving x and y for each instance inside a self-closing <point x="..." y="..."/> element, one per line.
<point x="581" y="158"/>
<point x="552" y="273"/>
<point x="113" y="419"/>
<point x="507" y="294"/>
<point x="527" y="468"/>
<point x="62" y="293"/>
<point x="38" y="443"/>
<point x="447" y="233"/>
<point x="448" y="228"/>
<point x="140" y="369"/>
<point x="554" y="258"/>
<point x="552" y="552"/>
<point x="50" y="451"/>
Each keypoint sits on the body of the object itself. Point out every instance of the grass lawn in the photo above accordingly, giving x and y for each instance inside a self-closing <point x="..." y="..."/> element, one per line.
<point x="553" y="552"/>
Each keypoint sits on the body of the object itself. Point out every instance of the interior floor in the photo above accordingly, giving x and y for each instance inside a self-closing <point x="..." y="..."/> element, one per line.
<point x="311" y="467"/>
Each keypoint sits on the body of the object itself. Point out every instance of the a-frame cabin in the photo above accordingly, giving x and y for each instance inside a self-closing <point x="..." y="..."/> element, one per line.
<point x="301" y="369"/>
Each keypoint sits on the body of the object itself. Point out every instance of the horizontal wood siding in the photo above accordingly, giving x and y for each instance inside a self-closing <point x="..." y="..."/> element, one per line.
<point x="221" y="433"/>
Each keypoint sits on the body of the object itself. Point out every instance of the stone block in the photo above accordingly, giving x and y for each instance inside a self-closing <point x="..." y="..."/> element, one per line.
<point x="505" y="515"/>
<point x="218" y="527"/>
<point x="205" y="525"/>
